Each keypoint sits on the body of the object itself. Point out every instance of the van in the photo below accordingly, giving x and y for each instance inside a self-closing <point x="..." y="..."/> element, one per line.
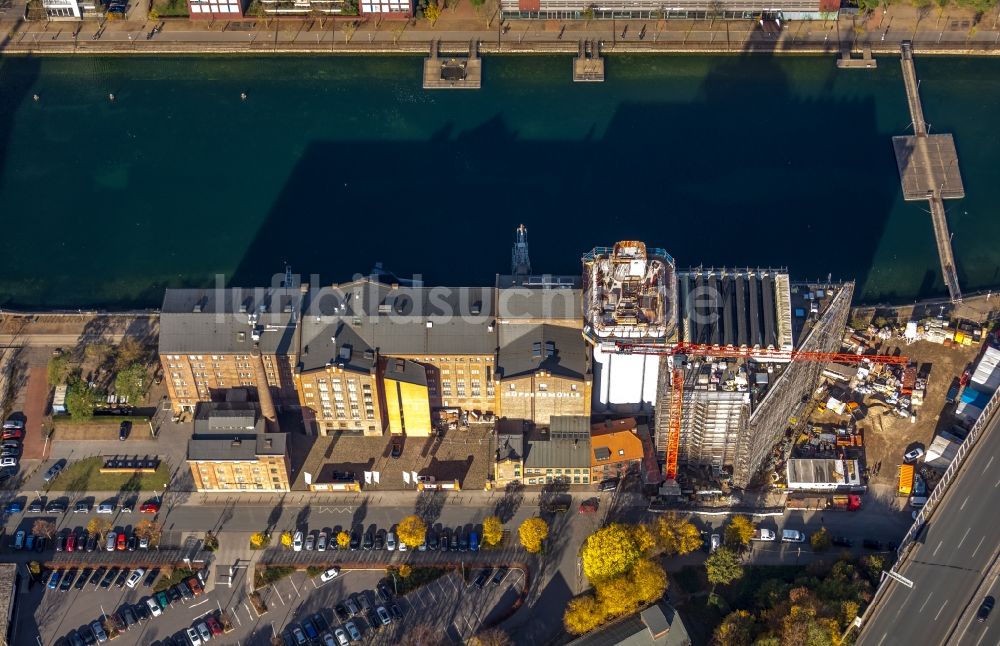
<point x="918" y="501"/>
<point x="792" y="536"/>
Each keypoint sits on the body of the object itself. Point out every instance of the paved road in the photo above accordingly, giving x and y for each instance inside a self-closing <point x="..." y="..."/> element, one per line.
<point x="954" y="555"/>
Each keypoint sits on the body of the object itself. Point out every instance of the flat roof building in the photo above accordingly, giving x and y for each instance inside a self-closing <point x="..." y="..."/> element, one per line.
<point x="657" y="625"/>
<point x="678" y="9"/>
<point x="823" y="474"/>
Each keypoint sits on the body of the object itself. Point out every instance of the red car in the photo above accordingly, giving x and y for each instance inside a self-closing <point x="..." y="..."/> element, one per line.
<point x="195" y="586"/>
<point x="213" y="625"/>
<point x="121" y="542"/>
<point x="71" y="542"/>
<point x="149" y="508"/>
<point x="13" y="434"/>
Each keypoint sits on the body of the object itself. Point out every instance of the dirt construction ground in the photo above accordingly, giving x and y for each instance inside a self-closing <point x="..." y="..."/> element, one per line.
<point x="888" y="436"/>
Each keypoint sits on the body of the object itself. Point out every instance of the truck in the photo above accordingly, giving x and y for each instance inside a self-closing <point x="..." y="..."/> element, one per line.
<point x="905" y="479"/>
<point x="764" y="534"/>
<point x="846" y="502"/>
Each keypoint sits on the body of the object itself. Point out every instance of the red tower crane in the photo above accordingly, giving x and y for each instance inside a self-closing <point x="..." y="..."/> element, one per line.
<point x="729" y="352"/>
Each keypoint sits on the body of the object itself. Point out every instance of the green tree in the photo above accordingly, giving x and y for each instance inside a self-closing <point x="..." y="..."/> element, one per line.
<point x="735" y="630"/>
<point x="820" y="540"/>
<point x="97" y="352"/>
<point x="129" y="351"/>
<point x="59" y="369"/>
<point x="532" y="533"/>
<point x="609" y="552"/>
<point x="492" y="531"/>
<point x="412" y="530"/>
<point x="132" y="383"/>
<point x="739" y="531"/>
<point x="81" y="399"/>
<point x="723" y="567"/>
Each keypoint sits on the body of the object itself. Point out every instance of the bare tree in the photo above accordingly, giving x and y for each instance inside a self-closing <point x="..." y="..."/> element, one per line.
<point x="44" y="528"/>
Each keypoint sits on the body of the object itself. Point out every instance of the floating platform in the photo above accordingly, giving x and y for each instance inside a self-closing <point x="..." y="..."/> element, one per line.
<point x="928" y="165"/>
<point x="453" y="72"/>
<point x="588" y="66"/>
<point x="866" y="62"/>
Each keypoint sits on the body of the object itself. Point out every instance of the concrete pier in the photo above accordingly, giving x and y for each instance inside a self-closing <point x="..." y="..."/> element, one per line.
<point x="588" y="66"/>
<point x="453" y="73"/>
<point x="928" y="170"/>
<point x="866" y="62"/>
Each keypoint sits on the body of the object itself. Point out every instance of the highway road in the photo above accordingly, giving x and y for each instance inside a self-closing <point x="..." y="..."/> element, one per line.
<point x="955" y="555"/>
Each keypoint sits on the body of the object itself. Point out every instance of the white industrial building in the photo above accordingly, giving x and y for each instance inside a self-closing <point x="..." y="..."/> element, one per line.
<point x="823" y="475"/>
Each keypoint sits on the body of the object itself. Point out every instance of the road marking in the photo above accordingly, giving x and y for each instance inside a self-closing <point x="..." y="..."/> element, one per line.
<point x="195" y="605"/>
<point x="988" y="464"/>
<point x="937" y="548"/>
<point x="964" y="536"/>
<point x="997" y="484"/>
<point x="296" y="588"/>
<point x="925" y="602"/>
<point x="979" y="641"/>
<point x="276" y="591"/>
<point x="980" y="545"/>
<point x="236" y="615"/>
<point x="940" y="610"/>
<point x="963" y="503"/>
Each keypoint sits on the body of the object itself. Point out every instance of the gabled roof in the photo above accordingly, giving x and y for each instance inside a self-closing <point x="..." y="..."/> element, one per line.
<point x="207" y="321"/>
<point x="334" y="342"/>
<point x="555" y="349"/>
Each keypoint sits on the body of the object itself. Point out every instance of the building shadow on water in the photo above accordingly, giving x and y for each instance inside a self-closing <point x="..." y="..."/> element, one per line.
<point x="747" y="173"/>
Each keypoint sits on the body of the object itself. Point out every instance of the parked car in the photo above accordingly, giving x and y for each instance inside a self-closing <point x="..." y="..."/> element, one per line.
<point x="310" y="543"/>
<point x="329" y="575"/>
<point x="300" y="637"/>
<point x="912" y="456"/>
<point x="68" y="578"/>
<point x="111" y="541"/>
<point x="353" y="631"/>
<point x="369" y="541"/>
<point x="383" y="615"/>
<point x="84" y="577"/>
<point x="842" y="541"/>
<point x="9" y="462"/>
<point x="122" y="578"/>
<point x="390" y="542"/>
<point x="355" y="540"/>
<point x="310" y="630"/>
<point x="82" y="507"/>
<point x="122" y="542"/>
<point x="396" y="449"/>
<point x="98" y="574"/>
<point x="54" y="579"/>
<point x="473" y="542"/>
<point x="397" y="613"/>
<point x="321" y="542"/>
<point x="206" y="634"/>
<point x="141" y="611"/>
<point x="144" y="543"/>
<point x="55" y="507"/>
<point x="135" y="577"/>
<point x="213" y="625"/>
<point x="383" y="592"/>
<point x="150" y="507"/>
<point x="53" y="471"/>
<point x="343" y="614"/>
<point x="500" y="575"/>
<point x="193" y="637"/>
<point x="123" y="430"/>
<point x="13" y="425"/>
<point x="379" y="540"/>
<point x="297" y="541"/>
<point x="71" y="542"/>
<point x="129" y="616"/>
<point x="482" y="578"/>
<point x="322" y="624"/>
<point x="195" y="585"/>
<point x="342" y="638"/>
<point x="99" y="631"/>
<point x="106" y="508"/>
<point x="132" y="542"/>
<point x="19" y="539"/>
<point x="352" y="606"/>
<point x="109" y="578"/>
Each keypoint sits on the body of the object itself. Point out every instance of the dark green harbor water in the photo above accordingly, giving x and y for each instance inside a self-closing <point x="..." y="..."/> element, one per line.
<point x="335" y="163"/>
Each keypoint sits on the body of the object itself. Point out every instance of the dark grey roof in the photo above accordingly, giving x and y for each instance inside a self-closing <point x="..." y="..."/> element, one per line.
<point x="510" y="445"/>
<point x="241" y="447"/>
<point x="658" y="625"/>
<point x="227" y="418"/>
<point x="337" y="342"/>
<point x="207" y="321"/>
<point x="556" y="349"/>
<point x="406" y="371"/>
<point x="569" y="446"/>
<point x="602" y="453"/>
<point x="514" y="303"/>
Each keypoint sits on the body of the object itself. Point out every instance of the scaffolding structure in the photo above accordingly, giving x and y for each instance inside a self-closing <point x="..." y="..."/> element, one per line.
<point x="723" y="427"/>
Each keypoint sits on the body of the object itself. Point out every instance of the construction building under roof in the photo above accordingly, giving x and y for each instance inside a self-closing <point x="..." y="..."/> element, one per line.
<point x="823" y="475"/>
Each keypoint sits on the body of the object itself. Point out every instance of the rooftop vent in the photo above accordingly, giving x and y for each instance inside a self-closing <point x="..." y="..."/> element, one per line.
<point x="550" y="348"/>
<point x="369" y="354"/>
<point x="430" y="324"/>
<point x="269" y="442"/>
<point x="237" y="442"/>
<point x="241" y="336"/>
<point x="345" y="352"/>
<point x="536" y="349"/>
<point x="477" y="307"/>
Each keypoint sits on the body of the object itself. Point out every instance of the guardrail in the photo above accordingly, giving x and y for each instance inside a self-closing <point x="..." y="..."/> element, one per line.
<point x="935" y="497"/>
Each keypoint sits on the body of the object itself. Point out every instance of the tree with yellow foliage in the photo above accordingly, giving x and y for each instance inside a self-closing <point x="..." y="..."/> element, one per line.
<point x="645" y="539"/>
<point x="583" y="614"/>
<point x="609" y="551"/>
<point x="532" y="532"/>
<point x="735" y="630"/>
<point x="677" y="536"/>
<point x="739" y="531"/>
<point x="412" y="530"/>
<point x="405" y="570"/>
<point x="492" y="531"/>
<point x="99" y="526"/>
<point x="432" y="12"/>
<point x="259" y="540"/>
<point x="343" y="540"/>
<point x="649" y="581"/>
<point x="286" y="540"/>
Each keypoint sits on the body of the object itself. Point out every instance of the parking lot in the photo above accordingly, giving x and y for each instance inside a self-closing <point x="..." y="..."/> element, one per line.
<point x="447" y="606"/>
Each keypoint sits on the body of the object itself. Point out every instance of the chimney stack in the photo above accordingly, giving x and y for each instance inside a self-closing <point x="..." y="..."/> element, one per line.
<point x="267" y="410"/>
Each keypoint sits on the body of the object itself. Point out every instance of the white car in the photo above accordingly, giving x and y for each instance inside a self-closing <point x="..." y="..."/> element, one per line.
<point x="330" y="574"/>
<point x="106" y="508"/>
<point x="135" y="577"/>
<point x="716" y="541"/>
<point x="913" y="456"/>
<point x="402" y="546"/>
<point x="390" y="542"/>
<point x="193" y="637"/>
<point x="342" y="637"/>
<point x="297" y="542"/>
<point x="8" y="462"/>
<point x="206" y="634"/>
<point x="154" y="607"/>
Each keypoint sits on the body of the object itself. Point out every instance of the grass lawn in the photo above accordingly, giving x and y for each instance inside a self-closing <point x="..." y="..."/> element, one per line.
<point x="99" y="420"/>
<point x="171" y="8"/>
<point x="265" y="575"/>
<point x="84" y="475"/>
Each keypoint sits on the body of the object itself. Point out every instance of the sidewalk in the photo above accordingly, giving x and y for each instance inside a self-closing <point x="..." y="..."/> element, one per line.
<point x="952" y="30"/>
